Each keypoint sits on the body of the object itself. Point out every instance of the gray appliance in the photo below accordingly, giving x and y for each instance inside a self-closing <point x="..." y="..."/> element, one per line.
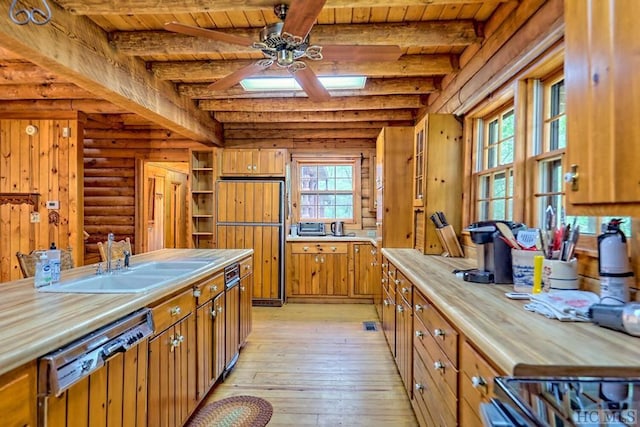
<point x="337" y="228"/>
<point x="250" y="215"/>
<point x="563" y="401"/>
<point x="311" y="229"/>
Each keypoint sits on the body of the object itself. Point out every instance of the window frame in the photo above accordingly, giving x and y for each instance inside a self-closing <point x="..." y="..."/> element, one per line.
<point x="296" y="193"/>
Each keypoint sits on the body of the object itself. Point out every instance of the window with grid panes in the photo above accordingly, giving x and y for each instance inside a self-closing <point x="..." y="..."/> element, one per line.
<point x="326" y="191"/>
<point x="550" y="119"/>
<point x="494" y="166"/>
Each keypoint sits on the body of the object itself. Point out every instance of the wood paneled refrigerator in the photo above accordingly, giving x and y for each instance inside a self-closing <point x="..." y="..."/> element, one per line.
<point x="250" y="214"/>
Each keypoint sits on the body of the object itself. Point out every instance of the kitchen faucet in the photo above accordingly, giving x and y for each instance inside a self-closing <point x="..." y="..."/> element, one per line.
<point x="110" y="239"/>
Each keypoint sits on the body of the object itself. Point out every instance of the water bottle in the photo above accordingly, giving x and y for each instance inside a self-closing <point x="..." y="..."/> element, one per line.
<point x="614" y="268"/>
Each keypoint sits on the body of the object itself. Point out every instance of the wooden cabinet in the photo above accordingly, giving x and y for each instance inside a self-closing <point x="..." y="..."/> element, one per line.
<point x="246" y="287"/>
<point x="389" y="307"/>
<point x="211" y="332"/>
<point x="437" y="181"/>
<point x="172" y="362"/>
<point x="364" y="262"/>
<point x="317" y="269"/>
<point x="202" y="198"/>
<point x="232" y="320"/>
<point x="602" y="45"/>
<point x="404" y="330"/>
<point x="253" y="162"/>
<point x="394" y="166"/>
<point x="476" y="383"/>
<point x="435" y="365"/>
<point x="376" y="280"/>
<point x="114" y="395"/>
<point x="18" y="396"/>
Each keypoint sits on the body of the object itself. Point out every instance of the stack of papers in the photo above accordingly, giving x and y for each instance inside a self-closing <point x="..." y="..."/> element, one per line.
<point x="566" y="306"/>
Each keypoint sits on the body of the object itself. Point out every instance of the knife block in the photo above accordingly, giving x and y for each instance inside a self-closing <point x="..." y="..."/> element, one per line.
<point x="449" y="241"/>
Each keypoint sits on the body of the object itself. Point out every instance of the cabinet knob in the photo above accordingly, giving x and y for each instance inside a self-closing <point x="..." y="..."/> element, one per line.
<point x="419" y="387"/>
<point x="242" y="288"/>
<point x="397" y="281"/>
<point x="438" y="366"/>
<point x="386" y="302"/>
<point x="214" y="313"/>
<point x="213" y="288"/>
<point x="438" y="332"/>
<point x="248" y="167"/>
<point x="255" y="167"/>
<point x="478" y="382"/>
<point x="392" y="273"/>
<point x="383" y="280"/>
<point x="356" y="249"/>
<point x="197" y="293"/>
<point x="405" y="290"/>
<point x="247" y="267"/>
<point x="571" y="177"/>
<point x="305" y="248"/>
<point x="400" y="308"/>
<point x="419" y="334"/>
<point x="384" y="265"/>
<point x="418" y="307"/>
<point x="175" y="311"/>
<point x="220" y="309"/>
<point x="333" y="248"/>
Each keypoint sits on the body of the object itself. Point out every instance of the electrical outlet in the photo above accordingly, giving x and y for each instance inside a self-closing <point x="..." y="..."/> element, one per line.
<point x="35" y="217"/>
<point x="53" y="204"/>
<point x="66" y="132"/>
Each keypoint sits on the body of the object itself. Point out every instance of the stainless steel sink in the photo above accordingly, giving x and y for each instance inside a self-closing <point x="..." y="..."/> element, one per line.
<point x="140" y="278"/>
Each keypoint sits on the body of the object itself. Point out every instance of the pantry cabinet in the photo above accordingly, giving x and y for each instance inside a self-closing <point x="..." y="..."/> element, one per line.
<point x="172" y="362"/>
<point x="317" y="269"/>
<point x="18" y="396"/>
<point x="253" y="162"/>
<point x="602" y="45"/>
<point x="437" y="181"/>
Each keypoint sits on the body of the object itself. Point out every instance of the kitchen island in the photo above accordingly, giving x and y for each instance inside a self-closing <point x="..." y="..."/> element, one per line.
<point x="34" y="323"/>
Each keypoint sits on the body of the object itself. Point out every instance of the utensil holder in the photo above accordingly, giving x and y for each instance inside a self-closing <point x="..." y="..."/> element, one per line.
<point x="522" y="266"/>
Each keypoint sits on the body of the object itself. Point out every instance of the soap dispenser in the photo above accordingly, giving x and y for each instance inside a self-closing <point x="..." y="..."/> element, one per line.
<point x="42" y="275"/>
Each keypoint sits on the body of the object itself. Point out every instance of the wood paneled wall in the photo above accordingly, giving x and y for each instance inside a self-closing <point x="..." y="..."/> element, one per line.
<point x="110" y="155"/>
<point x="48" y="162"/>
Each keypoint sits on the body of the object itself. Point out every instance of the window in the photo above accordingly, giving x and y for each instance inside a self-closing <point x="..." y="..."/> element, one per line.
<point x="327" y="190"/>
<point x="494" y="166"/>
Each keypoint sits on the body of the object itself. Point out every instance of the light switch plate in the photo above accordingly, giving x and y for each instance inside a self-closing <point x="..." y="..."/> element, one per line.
<point x="35" y="217"/>
<point x="53" y="204"/>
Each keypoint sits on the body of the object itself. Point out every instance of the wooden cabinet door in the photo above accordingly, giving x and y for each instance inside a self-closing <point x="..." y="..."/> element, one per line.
<point x="205" y="317"/>
<point x="246" y="285"/>
<point x="603" y="102"/>
<point x="219" y="335"/>
<point x="232" y="319"/>
<point x="18" y="396"/>
<point x="253" y="162"/>
<point x="172" y="374"/>
<point x="389" y="318"/>
<point x="237" y="162"/>
<point x="419" y="152"/>
<point x="362" y="266"/>
<point x="269" y="162"/>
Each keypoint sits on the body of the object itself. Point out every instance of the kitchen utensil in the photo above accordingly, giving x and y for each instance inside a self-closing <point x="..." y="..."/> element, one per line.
<point x="508" y="234"/>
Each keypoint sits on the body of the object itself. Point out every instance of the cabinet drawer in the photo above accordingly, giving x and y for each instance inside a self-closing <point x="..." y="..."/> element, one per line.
<point x="319" y="248"/>
<point x="420" y="393"/>
<point x="442" y="407"/>
<point x="172" y="310"/>
<point x="445" y="335"/>
<point x="439" y="367"/>
<point x="246" y="266"/>
<point x="210" y="288"/>
<point x="476" y="378"/>
<point x="403" y="287"/>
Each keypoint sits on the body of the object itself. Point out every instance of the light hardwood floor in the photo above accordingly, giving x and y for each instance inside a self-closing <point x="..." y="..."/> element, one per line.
<point x="317" y="366"/>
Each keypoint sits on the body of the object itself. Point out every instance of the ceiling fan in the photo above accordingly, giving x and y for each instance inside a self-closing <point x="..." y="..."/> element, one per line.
<point x="285" y="43"/>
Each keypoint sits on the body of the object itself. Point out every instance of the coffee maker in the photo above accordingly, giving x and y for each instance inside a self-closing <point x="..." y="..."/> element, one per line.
<point x="493" y="254"/>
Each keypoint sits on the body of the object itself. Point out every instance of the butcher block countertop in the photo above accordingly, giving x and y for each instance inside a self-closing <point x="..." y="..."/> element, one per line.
<point x="34" y="323"/>
<point x="518" y="342"/>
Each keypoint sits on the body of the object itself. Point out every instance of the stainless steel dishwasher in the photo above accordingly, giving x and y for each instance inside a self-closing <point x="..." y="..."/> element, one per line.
<point x="99" y="379"/>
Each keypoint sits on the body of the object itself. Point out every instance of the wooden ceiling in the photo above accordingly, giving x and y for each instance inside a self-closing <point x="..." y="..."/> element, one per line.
<point x="113" y="59"/>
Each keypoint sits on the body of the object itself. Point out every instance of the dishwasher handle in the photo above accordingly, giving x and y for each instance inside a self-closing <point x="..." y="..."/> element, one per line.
<point x="116" y="346"/>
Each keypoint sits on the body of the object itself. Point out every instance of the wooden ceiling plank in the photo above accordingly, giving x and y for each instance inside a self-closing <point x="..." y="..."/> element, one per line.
<point x="303" y="104"/>
<point x="78" y="50"/>
<point x="393" y="86"/>
<point x="24" y="73"/>
<point x="320" y="116"/>
<point x="431" y="33"/>
<point x="303" y="133"/>
<point x="43" y="91"/>
<point x="123" y="7"/>
<point x="84" y="105"/>
<point x="407" y="66"/>
<point x="314" y="125"/>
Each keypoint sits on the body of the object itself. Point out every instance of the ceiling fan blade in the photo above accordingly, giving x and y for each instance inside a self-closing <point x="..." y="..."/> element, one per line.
<point x="301" y="16"/>
<point x="190" y="30"/>
<point x="309" y="82"/>
<point x="232" y="79"/>
<point x="360" y="53"/>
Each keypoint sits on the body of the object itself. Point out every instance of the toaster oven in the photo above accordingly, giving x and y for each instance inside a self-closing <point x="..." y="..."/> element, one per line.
<point x="311" y="229"/>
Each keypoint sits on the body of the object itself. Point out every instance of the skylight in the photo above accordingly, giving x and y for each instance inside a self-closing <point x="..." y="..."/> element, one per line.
<point x="288" y="83"/>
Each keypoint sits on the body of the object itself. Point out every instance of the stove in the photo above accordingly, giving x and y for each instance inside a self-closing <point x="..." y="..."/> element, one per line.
<point x="563" y="402"/>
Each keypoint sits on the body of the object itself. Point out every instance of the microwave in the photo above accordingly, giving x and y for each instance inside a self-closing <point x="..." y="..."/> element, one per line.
<point x="311" y="229"/>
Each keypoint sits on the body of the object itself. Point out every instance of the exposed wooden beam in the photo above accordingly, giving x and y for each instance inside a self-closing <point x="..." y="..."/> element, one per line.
<point x="75" y="48"/>
<point x="320" y="116"/>
<point x="424" y="34"/>
<point x="13" y="73"/>
<point x="397" y="86"/>
<point x="305" y="104"/>
<point x="406" y="66"/>
<point x="123" y="7"/>
<point x="84" y="105"/>
<point x="302" y="133"/>
<point x="313" y="125"/>
<point x="301" y="143"/>
<point x="43" y="91"/>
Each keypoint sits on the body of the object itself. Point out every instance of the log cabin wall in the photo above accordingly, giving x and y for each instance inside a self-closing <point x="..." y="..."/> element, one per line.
<point x="41" y="156"/>
<point x="111" y="150"/>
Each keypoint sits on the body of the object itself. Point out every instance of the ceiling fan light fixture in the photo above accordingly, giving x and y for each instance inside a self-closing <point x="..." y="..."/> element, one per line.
<point x="260" y="84"/>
